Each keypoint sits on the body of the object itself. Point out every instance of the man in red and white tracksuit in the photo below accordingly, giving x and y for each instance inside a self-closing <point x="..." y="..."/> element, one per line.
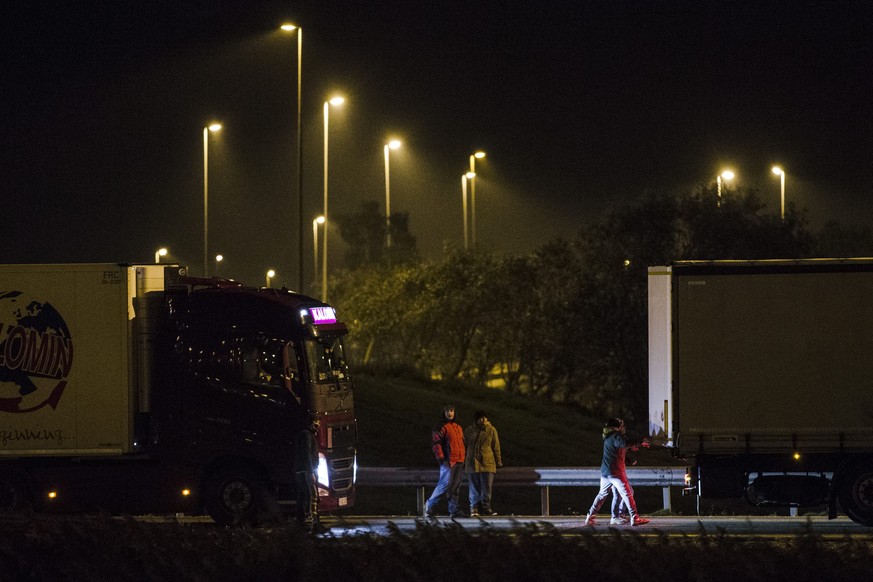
<point x="450" y="452"/>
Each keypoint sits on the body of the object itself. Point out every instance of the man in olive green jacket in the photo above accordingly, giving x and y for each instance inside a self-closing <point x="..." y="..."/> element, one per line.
<point x="481" y="463"/>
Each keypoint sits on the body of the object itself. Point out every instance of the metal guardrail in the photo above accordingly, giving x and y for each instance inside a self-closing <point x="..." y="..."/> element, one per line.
<point x="542" y="477"/>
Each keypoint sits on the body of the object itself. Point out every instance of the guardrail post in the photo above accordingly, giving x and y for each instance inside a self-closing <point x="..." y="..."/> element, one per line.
<point x="667" y="505"/>
<point x="421" y="500"/>
<point x="544" y="500"/>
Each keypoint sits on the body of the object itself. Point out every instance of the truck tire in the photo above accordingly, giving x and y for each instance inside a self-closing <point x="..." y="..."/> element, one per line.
<point x="14" y="493"/>
<point x="237" y="496"/>
<point x="856" y="493"/>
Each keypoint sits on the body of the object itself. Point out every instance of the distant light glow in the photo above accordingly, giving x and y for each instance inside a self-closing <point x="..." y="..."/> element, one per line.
<point x="337" y="100"/>
<point x="52" y="494"/>
<point x="219" y="258"/>
<point x="186" y="492"/>
<point x="796" y="456"/>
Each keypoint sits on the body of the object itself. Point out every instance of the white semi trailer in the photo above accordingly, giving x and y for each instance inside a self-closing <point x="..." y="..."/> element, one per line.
<point x="761" y="374"/>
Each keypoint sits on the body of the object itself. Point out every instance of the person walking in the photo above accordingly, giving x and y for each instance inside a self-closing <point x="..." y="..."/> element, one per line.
<point x="305" y="474"/>
<point x="613" y="477"/>
<point x="483" y="460"/>
<point x="449" y="449"/>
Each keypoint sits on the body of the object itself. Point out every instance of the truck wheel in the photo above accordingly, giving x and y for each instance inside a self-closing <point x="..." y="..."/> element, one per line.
<point x="856" y="493"/>
<point x="14" y="494"/>
<point x="236" y="496"/>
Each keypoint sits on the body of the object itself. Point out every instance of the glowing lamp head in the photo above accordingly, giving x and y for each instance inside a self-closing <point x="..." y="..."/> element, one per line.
<point x="271" y="273"/>
<point x="727" y="175"/>
<point x="479" y="155"/>
<point x="337" y="100"/>
<point x="52" y="494"/>
<point x="162" y="252"/>
<point x="778" y="171"/>
<point x="320" y="220"/>
<point x="470" y="175"/>
<point x="186" y="492"/>
<point x="288" y="27"/>
<point x="796" y="456"/>
<point x="213" y="127"/>
<point x="394" y="144"/>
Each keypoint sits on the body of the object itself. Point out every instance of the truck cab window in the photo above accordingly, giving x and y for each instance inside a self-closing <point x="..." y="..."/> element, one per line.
<point x="326" y="358"/>
<point x="262" y="361"/>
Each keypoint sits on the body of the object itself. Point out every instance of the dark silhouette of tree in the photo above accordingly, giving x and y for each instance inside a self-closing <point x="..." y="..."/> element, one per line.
<point x="364" y="233"/>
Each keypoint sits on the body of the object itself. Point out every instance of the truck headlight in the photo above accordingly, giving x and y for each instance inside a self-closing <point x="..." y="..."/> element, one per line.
<point x="323" y="478"/>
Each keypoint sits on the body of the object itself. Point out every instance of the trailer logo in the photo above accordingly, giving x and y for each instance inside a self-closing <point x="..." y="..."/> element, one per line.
<point x="36" y="354"/>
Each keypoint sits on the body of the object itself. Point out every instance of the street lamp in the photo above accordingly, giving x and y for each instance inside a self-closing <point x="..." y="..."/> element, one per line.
<point x="213" y="128"/>
<point x="726" y="175"/>
<point x="472" y="176"/>
<point x="315" y="223"/>
<point x="292" y="28"/>
<point x="781" y="173"/>
<point x="161" y="252"/>
<point x="218" y="259"/>
<point x="270" y="274"/>
<point x="391" y="145"/>
<point x="464" y="178"/>
<point x="334" y="101"/>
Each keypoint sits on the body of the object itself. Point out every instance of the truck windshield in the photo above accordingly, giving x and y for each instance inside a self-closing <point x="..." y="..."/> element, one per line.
<point x="326" y="359"/>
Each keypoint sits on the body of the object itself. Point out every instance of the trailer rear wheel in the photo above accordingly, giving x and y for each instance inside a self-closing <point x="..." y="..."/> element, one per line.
<point x="856" y="493"/>
<point x="14" y="493"/>
<point x="237" y="496"/>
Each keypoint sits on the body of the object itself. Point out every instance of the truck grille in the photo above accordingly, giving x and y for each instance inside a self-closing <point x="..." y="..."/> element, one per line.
<point x="341" y="474"/>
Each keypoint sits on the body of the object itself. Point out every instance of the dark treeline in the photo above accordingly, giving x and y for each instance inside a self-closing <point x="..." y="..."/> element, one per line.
<point x="569" y="320"/>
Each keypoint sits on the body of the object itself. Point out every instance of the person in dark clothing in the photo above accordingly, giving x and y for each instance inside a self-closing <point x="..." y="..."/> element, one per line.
<point x="448" y="447"/>
<point x="305" y="474"/>
<point x="613" y="476"/>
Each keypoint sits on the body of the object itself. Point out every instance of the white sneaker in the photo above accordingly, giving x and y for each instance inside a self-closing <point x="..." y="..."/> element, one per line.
<point x="618" y="521"/>
<point x="590" y="520"/>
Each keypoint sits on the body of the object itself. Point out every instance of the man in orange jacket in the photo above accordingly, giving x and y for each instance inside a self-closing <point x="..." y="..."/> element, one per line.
<point x="448" y="447"/>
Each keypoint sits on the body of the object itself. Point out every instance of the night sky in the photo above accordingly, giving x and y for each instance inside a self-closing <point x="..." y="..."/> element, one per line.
<point x="578" y="105"/>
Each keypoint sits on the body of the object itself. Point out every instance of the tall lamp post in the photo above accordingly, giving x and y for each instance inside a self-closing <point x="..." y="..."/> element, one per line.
<point x="781" y="173"/>
<point x="270" y="274"/>
<point x="293" y="28"/>
<point x="472" y="176"/>
<point x="213" y="128"/>
<point x="464" y="178"/>
<point x="391" y="145"/>
<point x="315" y="223"/>
<point x="161" y="252"/>
<point x="725" y="175"/>
<point x="327" y="104"/>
